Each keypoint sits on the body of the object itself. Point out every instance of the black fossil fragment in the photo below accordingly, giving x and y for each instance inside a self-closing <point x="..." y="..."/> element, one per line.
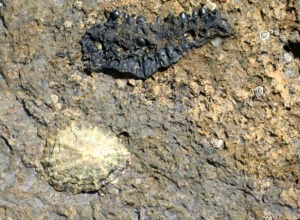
<point x="133" y="45"/>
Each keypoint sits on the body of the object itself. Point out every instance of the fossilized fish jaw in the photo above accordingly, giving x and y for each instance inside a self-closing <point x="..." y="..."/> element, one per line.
<point x="132" y="45"/>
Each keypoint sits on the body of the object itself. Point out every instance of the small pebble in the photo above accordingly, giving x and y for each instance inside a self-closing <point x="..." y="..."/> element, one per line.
<point x="131" y="82"/>
<point x="217" y="143"/>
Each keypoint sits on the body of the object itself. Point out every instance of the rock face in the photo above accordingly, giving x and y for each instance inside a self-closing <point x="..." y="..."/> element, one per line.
<point x="83" y="159"/>
<point x="215" y="136"/>
<point x="132" y="45"/>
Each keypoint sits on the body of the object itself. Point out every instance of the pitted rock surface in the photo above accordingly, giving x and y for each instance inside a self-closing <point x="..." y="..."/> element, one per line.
<point x="215" y="136"/>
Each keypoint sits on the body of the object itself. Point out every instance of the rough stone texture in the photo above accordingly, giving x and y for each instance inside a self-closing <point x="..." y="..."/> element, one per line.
<point x="215" y="136"/>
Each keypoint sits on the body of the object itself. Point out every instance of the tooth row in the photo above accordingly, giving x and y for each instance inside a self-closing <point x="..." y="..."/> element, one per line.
<point x="202" y="13"/>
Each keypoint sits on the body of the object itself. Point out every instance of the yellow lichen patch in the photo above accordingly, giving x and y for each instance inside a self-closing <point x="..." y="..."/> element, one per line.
<point x="82" y="159"/>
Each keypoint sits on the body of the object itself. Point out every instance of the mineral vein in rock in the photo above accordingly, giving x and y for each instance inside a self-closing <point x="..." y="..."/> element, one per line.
<point x="129" y="44"/>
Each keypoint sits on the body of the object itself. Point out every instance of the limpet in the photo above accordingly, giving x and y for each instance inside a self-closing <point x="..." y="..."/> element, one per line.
<point x="80" y="159"/>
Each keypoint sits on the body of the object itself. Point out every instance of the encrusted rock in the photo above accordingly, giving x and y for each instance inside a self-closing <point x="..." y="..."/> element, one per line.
<point x="80" y="159"/>
<point x="130" y="44"/>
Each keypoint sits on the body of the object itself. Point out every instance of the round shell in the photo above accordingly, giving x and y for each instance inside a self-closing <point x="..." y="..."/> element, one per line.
<point x="83" y="159"/>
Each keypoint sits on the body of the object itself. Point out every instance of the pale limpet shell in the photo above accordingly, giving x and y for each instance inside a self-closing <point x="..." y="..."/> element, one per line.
<point x="81" y="159"/>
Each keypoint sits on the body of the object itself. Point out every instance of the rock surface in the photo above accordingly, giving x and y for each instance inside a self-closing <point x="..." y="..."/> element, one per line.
<point x="215" y="136"/>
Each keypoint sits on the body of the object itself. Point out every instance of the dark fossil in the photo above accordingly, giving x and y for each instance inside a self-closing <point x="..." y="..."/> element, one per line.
<point x="132" y="45"/>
